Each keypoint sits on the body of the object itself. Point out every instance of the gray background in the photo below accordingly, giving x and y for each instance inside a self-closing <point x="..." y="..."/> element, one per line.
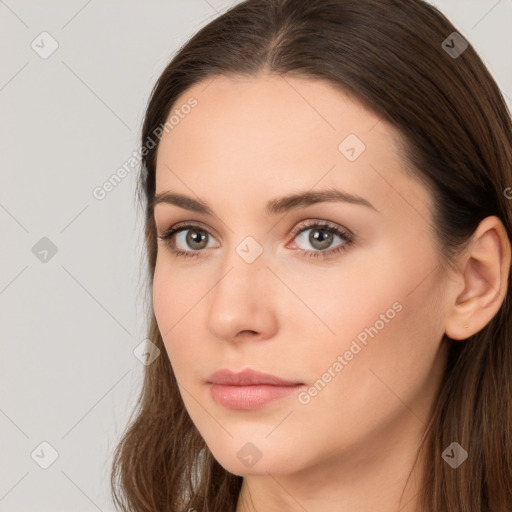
<point x="70" y="323"/>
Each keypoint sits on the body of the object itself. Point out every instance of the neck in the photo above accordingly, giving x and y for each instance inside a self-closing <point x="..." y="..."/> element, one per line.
<point x="381" y="475"/>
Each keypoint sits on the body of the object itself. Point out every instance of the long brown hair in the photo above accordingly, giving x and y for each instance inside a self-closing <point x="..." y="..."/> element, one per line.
<point x="397" y="58"/>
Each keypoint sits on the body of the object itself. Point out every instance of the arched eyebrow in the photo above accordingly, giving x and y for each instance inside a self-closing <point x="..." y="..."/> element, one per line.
<point x="274" y="206"/>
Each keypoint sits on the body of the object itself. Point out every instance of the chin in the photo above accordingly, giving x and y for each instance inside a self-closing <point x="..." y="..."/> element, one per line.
<point x="244" y="458"/>
<point x="261" y="468"/>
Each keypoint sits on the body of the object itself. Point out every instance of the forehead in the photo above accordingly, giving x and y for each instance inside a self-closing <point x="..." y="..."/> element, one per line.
<point x="255" y="134"/>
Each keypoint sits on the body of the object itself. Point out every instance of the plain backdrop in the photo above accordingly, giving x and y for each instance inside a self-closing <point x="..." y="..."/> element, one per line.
<point x="72" y="275"/>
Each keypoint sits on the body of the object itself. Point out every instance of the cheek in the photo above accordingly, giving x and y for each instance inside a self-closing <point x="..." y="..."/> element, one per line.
<point x="387" y="332"/>
<point x="175" y="291"/>
<point x="173" y="298"/>
<point x="164" y="299"/>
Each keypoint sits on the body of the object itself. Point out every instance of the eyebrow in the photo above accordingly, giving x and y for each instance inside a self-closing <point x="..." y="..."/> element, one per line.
<point x="273" y="207"/>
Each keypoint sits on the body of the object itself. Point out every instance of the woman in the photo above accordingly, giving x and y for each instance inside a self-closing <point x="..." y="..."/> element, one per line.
<point x="328" y="224"/>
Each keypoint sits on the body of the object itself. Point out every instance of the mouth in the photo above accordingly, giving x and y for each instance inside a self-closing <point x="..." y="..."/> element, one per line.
<point x="249" y="397"/>
<point x="249" y="389"/>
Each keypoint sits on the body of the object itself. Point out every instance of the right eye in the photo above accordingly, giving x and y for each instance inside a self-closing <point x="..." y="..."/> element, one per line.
<point x="181" y="236"/>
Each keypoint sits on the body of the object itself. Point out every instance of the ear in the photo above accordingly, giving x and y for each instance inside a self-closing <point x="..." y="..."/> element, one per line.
<point x="484" y="268"/>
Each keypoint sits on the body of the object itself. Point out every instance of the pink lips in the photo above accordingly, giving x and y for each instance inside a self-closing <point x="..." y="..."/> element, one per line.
<point x="249" y="389"/>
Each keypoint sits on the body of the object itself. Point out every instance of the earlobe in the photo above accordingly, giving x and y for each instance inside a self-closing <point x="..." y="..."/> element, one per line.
<point x="484" y="269"/>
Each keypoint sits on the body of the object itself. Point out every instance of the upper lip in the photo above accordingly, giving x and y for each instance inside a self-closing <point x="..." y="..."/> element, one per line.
<point x="248" y="378"/>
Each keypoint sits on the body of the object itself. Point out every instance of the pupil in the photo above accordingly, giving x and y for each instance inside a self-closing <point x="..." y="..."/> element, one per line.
<point x="323" y="240"/>
<point x="195" y="237"/>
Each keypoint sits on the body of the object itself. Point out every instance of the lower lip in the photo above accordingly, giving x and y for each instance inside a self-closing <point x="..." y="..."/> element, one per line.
<point x="249" y="397"/>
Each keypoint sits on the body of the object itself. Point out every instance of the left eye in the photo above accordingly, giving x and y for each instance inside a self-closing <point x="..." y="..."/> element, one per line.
<point x="321" y="237"/>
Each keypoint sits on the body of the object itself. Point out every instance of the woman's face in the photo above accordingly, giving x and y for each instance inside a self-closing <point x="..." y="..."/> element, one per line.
<point x="356" y="317"/>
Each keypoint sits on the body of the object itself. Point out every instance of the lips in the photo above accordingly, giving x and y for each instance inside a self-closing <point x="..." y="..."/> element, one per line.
<point x="249" y="389"/>
<point x="248" y="378"/>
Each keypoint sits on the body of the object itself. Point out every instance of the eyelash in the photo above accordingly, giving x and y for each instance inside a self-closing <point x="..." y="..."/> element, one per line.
<point x="346" y="236"/>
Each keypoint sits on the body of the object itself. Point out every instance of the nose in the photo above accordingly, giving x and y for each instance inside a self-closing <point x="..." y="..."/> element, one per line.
<point x="242" y="303"/>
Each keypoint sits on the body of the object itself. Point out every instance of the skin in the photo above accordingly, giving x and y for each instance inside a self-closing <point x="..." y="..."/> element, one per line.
<point x="353" y="445"/>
